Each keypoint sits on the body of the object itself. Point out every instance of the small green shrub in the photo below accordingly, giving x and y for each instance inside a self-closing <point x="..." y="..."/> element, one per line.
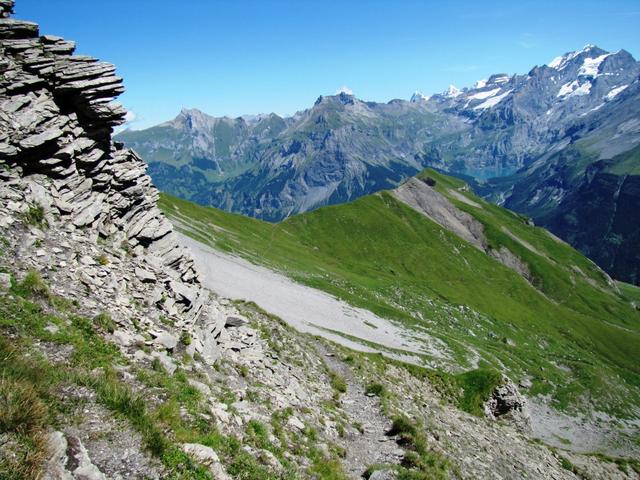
<point x="185" y="338"/>
<point x="105" y="322"/>
<point x="566" y="464"/>
<point x="33" y="286"/>
<point x="376" y="389"/>
<point x="402" y="425"/>
<point x="338" y="383"/>
<point x="35" y="216"/>
<point x="103" y="260"/>
<point x="477" y="386"/>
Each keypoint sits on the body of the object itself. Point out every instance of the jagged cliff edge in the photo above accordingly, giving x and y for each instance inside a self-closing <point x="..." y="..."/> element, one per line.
<point x="57" y="116"/>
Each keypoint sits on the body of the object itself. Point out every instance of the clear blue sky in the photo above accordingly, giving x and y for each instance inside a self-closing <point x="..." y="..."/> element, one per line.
<point x="238" y="57"/>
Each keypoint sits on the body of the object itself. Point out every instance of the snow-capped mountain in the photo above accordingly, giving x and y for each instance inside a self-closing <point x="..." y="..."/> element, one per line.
<point x="343" y="147"/>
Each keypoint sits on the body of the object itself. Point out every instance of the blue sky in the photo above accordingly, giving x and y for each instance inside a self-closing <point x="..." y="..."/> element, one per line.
<point x="238" y="57"/>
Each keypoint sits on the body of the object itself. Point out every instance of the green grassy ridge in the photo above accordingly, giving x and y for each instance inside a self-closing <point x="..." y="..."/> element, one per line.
<point x="379" y="254"/>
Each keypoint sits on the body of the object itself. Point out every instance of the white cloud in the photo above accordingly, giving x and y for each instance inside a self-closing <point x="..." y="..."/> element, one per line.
<point x="527" y="40"/>
<point x="129" y="119"/>
<point x="130" y="116"/>
<point x="344" y="89"/>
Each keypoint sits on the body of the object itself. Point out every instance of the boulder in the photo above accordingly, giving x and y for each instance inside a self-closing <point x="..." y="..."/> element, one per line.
<point x="145" y="276"/>
<point x="165" y="339"/>
<point x="166" y="361"/>
<point x="208" y="457"/>
<point x="508" y="403"/>
<point x="235" y="321"/>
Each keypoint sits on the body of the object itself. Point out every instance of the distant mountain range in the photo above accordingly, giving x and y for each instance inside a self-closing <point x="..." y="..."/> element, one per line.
<point x="560" y="144"/>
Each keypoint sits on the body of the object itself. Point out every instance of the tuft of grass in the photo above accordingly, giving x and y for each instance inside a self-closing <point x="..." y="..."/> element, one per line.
<point x="105" y="322"/>
<point x="33" y="286"/>
<point x="35" y="216"/>
<point x="419" y="462"/>
<point x="402" y="425"/>
<point x="567" y="465"/>
<point x="477" y="387"/>
<point x="21" y="409"/>
<point x="103" y="260"/>
<point x="338" y="383"/>
<point x="376" y="389"/>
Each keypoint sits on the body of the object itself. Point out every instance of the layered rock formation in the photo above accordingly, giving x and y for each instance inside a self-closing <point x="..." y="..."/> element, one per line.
<point x="56" y="119"/>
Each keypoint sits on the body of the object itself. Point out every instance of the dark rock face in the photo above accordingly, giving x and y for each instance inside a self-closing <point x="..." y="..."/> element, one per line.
<point x="601" y="219"/>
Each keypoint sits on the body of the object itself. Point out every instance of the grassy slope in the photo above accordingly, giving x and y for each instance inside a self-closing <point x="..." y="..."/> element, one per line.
<point x="575" y="340"/>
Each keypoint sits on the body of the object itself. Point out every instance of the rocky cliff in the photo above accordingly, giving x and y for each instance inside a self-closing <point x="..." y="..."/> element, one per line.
<point x="59" y="162"/>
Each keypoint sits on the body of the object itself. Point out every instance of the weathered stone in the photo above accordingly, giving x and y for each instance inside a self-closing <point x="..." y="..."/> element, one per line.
<point x="167" y="362"/>
<point x="235" y="321"/>
<point x="5" y="281"/>
<point x="10" y="28"/>
<point x="40" y="139"/>
<point x="208" y="457"/>
<point x="201" y="387"/>
<point x="295" y="422"/>
<point x="382" y="475"/>
<point x="145" y="276"/>
<point x="123" y="337"/>
<point x="508" y="403"/>
<point x="165" y="339"/>
<point x="70" y="460"/>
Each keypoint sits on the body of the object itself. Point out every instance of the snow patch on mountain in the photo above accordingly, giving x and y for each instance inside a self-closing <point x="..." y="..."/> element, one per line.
<point x="483" y="95"/>
<point x="493" y="101"/>
<point x="559" y="63"/>
<point x="500" y="79"/>
<point x="590" y="66"/>
<point x="614" y="92"/>
<point x="574" y="88"/>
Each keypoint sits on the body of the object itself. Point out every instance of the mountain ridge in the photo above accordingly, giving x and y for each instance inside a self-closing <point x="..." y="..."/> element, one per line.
<point x="343" y="147"/>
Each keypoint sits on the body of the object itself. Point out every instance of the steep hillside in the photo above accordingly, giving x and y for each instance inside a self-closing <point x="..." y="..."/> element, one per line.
<point x="496" y="291"/>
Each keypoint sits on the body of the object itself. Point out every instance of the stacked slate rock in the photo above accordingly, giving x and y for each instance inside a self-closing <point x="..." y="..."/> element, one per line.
<point x="56" y="121"/>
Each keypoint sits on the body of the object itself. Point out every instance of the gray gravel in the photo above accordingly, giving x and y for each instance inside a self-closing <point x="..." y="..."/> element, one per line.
<point x="304" y="308"/>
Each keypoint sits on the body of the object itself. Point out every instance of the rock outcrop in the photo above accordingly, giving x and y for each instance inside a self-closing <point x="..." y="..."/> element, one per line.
<point x="56" y="120"/>
<point x="508" y="403"/>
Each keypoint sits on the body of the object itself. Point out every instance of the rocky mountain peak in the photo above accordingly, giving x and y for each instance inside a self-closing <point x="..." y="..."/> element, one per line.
<point x="418" y="97"/>
<point x="192" y="119"/>
<point x="452" y="92"/>
<point x="588" y="51"/>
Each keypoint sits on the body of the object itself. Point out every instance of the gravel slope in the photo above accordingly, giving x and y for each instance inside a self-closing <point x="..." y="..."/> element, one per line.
<point x="304" y="308"/>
